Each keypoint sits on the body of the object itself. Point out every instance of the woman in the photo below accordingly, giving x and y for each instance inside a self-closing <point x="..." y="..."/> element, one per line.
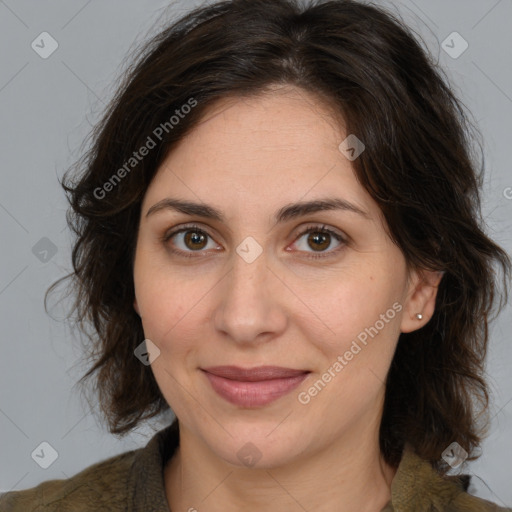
<point x="279" y="238"/>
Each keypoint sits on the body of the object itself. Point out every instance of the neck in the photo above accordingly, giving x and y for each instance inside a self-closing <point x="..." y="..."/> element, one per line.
<point x="350" y="475"/>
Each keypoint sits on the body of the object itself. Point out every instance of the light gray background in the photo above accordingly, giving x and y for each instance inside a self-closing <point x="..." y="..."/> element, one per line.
<point x="47" y="108"/>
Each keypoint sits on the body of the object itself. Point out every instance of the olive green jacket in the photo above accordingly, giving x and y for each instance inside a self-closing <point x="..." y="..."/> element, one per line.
<point x="133" y="482"/>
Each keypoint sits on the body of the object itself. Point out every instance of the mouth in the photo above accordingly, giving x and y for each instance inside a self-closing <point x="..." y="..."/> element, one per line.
<point x="253" y="387"/>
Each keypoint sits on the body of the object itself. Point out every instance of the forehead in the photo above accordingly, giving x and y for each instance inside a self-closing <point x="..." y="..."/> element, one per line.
<point x="274" y="148"/>
<point x="280" y="119"/>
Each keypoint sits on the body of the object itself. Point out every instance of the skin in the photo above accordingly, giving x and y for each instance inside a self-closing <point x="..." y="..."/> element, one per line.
<point x="249" y="158"/>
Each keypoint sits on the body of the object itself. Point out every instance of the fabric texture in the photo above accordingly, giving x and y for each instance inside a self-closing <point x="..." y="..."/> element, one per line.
<point x="134" y="482"/>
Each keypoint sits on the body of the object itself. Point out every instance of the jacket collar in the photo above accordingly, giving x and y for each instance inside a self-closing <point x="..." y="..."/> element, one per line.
<point x="146" y="480"/>
<point x="418" y="486"/>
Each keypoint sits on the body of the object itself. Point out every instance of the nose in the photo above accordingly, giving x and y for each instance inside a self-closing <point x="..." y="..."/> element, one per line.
<point x="250" y="309"/>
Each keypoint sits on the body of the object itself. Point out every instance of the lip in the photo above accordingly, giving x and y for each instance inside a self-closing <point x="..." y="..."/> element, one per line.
<point x="253" y="387"/>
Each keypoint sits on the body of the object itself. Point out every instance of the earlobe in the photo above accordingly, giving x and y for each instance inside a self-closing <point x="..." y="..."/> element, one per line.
<point x="420" y="304"/>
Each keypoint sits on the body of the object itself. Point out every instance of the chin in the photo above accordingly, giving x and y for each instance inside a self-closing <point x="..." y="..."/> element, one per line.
<point x="258" y="444"/>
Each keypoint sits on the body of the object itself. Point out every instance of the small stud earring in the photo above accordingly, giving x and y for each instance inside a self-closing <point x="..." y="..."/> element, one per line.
<point x="419" y="316"/>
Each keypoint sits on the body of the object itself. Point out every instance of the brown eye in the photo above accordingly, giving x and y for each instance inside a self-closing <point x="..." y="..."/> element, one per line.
<point x="319" y="241"/>
<point x="189" y="240"/>
<point x="195" y="240"/>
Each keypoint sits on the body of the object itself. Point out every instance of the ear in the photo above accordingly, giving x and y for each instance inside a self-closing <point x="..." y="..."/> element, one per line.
<point x="421" y="298"/>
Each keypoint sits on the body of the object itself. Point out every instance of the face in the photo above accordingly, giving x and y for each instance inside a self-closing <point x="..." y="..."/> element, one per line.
<point x="323" y="292"/>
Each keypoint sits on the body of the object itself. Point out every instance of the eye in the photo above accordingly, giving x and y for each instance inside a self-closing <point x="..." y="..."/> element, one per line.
<point x="320" y="239"/>
<point x="189" y="241"/>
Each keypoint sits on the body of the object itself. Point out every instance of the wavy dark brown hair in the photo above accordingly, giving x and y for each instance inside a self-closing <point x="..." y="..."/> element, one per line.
<point x="420" y="165"/>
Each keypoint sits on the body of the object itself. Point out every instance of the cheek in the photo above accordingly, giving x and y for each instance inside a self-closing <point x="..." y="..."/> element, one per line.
<point x="163" y="311"/>
<point x="345" y="303"/>
<point x="160" y="307"/>
<point x="171" y="304"/>
<point x="364" y="316"/>
<point x="362" y="310"/>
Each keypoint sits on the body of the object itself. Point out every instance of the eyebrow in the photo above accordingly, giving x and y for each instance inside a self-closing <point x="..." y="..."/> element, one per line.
<point x="287" y="212"/>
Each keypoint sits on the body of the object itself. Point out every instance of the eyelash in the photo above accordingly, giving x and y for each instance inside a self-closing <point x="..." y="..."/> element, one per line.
<point x="309" y="229"/>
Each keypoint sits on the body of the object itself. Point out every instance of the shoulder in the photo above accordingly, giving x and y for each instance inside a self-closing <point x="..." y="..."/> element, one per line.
<point x="417" y="486"/>
<point x="466" y="502"/>
<point x="103" y="485"/>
